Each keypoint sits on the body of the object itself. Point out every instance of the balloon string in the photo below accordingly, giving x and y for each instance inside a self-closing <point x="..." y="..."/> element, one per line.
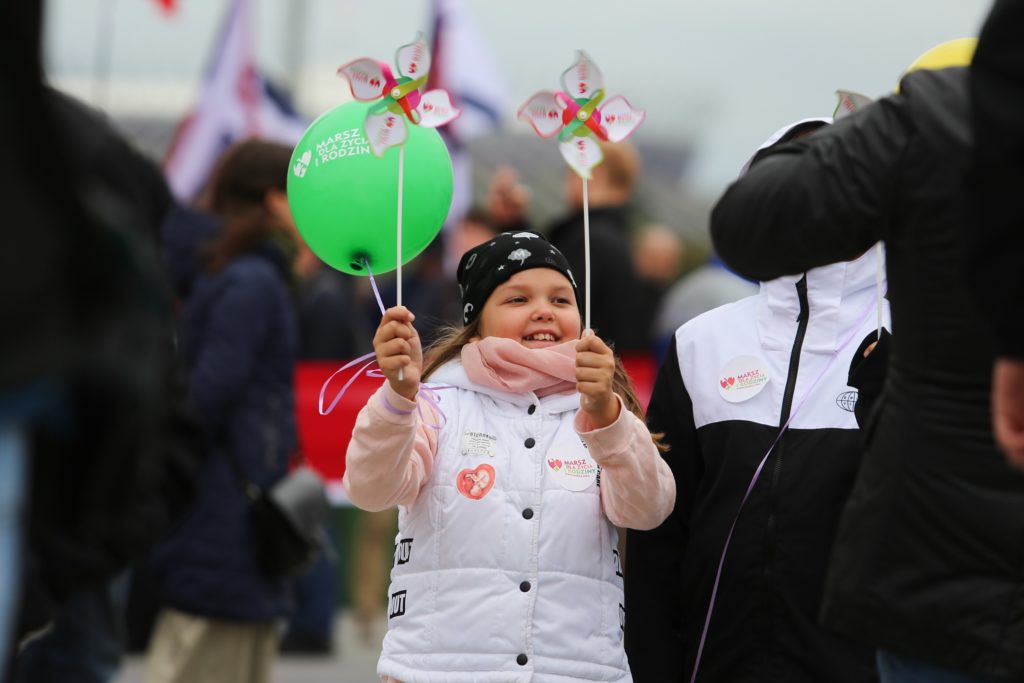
<point x="586" y="254"/>
<point x="427" y="392"/>
<point x="373" y="284"/>
<point x="398" y="237"/>
<point x="323" y="389"/>
<point x="878" y="285"/>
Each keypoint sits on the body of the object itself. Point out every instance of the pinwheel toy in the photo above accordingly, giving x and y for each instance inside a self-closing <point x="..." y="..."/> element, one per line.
<point x="397" y="100"/>
<point x="578" y="114"/>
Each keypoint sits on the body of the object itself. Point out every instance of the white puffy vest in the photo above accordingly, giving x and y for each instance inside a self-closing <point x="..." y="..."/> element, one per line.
<point x="503" y="572"/>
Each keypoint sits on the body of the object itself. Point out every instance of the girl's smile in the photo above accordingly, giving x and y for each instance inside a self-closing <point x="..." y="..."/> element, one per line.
<point x="536" y="307"/>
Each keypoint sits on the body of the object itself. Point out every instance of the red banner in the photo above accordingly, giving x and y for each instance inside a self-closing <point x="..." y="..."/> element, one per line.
<point x="323" y="439"/>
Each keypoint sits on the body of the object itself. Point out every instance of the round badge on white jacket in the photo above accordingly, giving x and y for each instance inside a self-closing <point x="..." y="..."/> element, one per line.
<point x="572" y="468"/>
<point x="742" y="378"/>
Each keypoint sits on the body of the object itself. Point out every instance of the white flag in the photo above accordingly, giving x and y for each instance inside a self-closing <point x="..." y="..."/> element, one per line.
<point x="235" y="103"/>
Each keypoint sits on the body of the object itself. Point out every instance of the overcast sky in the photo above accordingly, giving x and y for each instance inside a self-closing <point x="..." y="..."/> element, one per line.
<point x="725" y="73"/>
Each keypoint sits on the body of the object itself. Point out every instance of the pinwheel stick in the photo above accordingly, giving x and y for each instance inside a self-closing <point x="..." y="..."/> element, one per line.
<point x="586" y="256"/>
<point x="398" y="233"/>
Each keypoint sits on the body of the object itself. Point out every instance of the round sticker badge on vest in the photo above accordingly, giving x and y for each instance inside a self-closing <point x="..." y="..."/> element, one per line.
<point x="575" y="471"/>
<point x="475" y="483"/>
<point x="742" y="378"/>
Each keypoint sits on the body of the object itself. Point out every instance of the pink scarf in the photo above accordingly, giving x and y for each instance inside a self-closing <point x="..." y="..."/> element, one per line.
<point x="506" y="364"/>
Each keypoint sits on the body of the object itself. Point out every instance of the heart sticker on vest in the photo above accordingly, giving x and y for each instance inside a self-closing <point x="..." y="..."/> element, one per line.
<point x="475" y="484"/>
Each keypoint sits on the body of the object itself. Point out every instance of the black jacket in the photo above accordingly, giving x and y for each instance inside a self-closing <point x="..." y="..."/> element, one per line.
<point x="929" y="558"/>
<point x="995" y="233"/>
<point x="764" y="626"/>
<point x="615" y="287"/>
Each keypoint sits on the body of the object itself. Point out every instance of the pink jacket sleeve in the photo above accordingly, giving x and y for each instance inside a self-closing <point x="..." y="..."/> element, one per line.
<point x="638" y="490"/>
<point x="391" y="453"/>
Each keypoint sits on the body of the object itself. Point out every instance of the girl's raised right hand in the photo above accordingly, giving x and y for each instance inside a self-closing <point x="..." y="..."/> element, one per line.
<point x="397" y="345"/>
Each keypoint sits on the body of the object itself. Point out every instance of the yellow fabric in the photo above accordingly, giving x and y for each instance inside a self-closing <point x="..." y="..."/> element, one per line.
<point x="956" y="52"/>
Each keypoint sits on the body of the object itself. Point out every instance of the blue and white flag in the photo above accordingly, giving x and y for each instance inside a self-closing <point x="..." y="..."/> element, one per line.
<point x="235" y="103"/>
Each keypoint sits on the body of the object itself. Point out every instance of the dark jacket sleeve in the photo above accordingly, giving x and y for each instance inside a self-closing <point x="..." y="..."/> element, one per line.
<point x="995" y="239"/>
<point x="819" y="200"/>
<point x="654" y="558"/>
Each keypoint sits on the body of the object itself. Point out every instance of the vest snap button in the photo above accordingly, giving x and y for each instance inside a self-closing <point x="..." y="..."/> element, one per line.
<point x="532" y="409"/>
<point x="528" y="513"/>
<point x="524" y="586"/>
<point x="521" y="660"/>
<point x="530" y="443"/>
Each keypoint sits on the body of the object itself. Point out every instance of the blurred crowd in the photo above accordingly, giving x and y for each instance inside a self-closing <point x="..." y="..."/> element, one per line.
<point x="149" y="343"/>
<point x="154" y="338"/>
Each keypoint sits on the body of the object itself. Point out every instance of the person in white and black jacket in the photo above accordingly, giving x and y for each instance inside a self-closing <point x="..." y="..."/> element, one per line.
<point x="928" y="563"/>
<point x="731" y="379"/>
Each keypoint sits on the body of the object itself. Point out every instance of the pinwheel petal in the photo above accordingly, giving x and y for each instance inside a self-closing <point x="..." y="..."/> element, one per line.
<point x="849" y="102"/>
<point x="543" y="111"/>
<point x="436" y="109"/>
<point x="384" y="131"/>
<point x="619" y="118"/>
<point x="582" y="154"/>
<point x="582" y="79"/>
<point x="365" y="77"/>
<point x="413" y="60"/>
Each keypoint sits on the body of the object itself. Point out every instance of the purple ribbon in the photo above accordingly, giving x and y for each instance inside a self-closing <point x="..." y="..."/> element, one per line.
<point x="427" y="393"/>
<point x="757" y="475"/>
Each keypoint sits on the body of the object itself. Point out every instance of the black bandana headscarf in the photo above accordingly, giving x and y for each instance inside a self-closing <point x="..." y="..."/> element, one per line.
<point x="485" y="267"/>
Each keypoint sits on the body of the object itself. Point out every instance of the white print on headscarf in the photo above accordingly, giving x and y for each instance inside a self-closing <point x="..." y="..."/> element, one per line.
<point x="519" y="255"/>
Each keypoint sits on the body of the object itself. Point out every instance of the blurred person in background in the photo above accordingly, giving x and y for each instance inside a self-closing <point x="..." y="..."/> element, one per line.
<point x="658" y="261"/>
<point x="240" y="340"/>
<point x="330" y="329"/>
<point x="507" y="204"/>
<point x="926" y="565"/>
<point x="615" y="286"/>
<point x="765" y="621"/>
<point x="707" y="286"/>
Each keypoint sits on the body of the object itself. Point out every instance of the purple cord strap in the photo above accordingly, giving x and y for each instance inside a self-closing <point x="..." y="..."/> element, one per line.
<point x="757" y="475"/>
<point x="427" y="393"/>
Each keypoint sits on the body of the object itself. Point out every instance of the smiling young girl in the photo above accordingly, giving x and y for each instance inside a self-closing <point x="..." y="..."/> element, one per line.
<point x="511" y="471"/>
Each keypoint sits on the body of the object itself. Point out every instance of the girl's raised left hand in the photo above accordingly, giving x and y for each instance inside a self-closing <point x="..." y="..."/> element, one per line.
<point x="595" y="371"/>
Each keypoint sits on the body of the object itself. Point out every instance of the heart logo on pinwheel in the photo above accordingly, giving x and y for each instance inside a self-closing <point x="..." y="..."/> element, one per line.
<point x="475" y="483"/>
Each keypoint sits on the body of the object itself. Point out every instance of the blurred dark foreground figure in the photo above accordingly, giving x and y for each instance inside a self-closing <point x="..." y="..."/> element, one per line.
<point x="995" y="239"/>
<point x="88" y="368"/>
<point x="926" y="565"/>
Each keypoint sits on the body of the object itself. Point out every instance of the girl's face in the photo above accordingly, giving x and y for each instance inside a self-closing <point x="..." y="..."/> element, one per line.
<point x="536" y="307"/>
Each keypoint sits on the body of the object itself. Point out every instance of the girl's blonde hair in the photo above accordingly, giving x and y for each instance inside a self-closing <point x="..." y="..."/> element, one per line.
<point x="449" y="345"/>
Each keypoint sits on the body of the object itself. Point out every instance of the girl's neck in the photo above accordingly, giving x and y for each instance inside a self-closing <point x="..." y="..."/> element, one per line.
<point x="507" y="365"/>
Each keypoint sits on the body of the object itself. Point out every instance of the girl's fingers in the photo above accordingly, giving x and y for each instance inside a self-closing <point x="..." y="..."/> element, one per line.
<point x="591" y="342"/>
<point x="394" y="363"/>
<point x="398" y="313"/>
<point x="395" y="347"/>
<point x="593" y="375"/>
<point x="589" y="360"/>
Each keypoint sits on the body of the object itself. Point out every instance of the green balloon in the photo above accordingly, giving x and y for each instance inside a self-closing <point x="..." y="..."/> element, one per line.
<point x="345" y="200"/>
